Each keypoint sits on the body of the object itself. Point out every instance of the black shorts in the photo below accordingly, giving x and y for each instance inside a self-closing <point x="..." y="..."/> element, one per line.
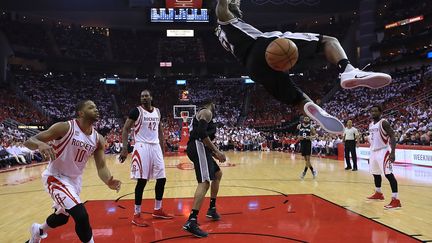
<point x="306" y="147"/>
<point x="204" y="164"/>
<point x="278" y="83"/>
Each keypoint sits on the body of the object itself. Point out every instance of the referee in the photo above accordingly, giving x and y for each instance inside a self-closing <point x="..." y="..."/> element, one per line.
<point x="351" y="135"/>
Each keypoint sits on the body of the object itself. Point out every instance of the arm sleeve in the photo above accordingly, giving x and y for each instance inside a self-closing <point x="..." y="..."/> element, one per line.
<point x="134" y="114"/>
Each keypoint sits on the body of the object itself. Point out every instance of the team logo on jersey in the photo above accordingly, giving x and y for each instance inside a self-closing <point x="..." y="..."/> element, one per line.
<point x="290" y="2"/>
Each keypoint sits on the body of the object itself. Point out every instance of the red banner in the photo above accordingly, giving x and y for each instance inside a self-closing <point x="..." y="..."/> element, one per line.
<point x="183" y="3"/>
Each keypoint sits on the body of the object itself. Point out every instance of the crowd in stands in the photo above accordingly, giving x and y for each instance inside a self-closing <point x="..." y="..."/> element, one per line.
<point x="52" y="93"/>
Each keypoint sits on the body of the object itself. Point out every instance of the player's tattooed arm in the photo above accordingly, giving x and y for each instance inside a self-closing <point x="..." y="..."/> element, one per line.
<point x="387" y="128"/>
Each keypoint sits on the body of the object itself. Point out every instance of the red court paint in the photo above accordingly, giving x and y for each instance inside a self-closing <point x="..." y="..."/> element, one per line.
<point x="292" y="218"/>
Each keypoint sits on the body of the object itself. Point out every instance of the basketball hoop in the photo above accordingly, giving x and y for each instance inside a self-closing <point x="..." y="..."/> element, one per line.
<point x="184" y="115"/>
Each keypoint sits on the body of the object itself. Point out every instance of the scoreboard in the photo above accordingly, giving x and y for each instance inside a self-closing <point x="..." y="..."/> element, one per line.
<point x="185" y="15"/>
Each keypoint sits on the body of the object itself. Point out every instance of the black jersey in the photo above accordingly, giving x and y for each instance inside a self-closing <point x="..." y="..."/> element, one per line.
<point x="211" y="130"/>
<point x="237" y="37"/>
<point x="305" y="130"/>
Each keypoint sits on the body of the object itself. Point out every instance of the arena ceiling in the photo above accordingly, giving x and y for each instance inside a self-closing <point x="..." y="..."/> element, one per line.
<point x="134" y="13"/>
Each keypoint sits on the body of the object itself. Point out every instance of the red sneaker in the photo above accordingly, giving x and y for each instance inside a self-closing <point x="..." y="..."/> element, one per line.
<point x="376" y="196"/>
<point x="138" y="221"/>
<point x="160" y="214"/>
<point x="394" y="204"/>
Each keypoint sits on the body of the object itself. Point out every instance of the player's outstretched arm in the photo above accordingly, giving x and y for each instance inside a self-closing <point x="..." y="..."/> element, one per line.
<point x="40" y="140"/>
<point x="103" y="171"/>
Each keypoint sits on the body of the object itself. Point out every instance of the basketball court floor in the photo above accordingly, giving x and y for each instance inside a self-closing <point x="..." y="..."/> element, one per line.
<point x="261" y="199"/>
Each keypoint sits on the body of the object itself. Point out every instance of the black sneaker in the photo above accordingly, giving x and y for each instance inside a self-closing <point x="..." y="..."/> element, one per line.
<point x="347" y="168"/>
<point x="211" y="213"/>
<point x="191" y="226"/>
<point x="355" y="169"/>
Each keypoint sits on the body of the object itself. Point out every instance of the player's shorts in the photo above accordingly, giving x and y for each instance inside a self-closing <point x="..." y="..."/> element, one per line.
<point x="63" y="190"/>
<point x="378" y="162"/>
<point x="204" y="164"/>
<point x="275" y="82"/>
<point x="306" y="147"/>
<point x="147" y="161"/>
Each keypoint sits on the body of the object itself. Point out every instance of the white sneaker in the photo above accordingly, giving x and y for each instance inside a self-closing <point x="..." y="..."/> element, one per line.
<point x="302" y="176"/>
<point x="314" y="174"/>
<point x="35" y="234"/>
<point x="358" y="78"/>
<point x="329" y="123"/>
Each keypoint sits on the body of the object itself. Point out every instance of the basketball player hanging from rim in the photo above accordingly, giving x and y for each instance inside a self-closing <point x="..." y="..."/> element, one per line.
<point x="74" y="142"/>
<point x="249" y="46"/>
<point x="147" y="156"/>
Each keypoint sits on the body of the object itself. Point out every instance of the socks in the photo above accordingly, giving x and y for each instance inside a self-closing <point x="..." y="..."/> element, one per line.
<point x="158" y="204"/>
<point x="194" y="214"/>
<point x="137" y="209"/>
<point x="344" y="66"/>
<point x="394" y="195"/>
<point x="91" y="240"/>
<point x="378" y="189"/>
<point x="212" y="202"/>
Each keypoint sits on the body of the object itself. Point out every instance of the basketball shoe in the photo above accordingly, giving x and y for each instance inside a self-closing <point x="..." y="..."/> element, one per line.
<point x="138" y="221"/>
<point x="303" y="174"/>
<point x="36" y="235"/>
<point x="328" y="122"/>
<point x="359" y="78"/>
<point x="394" y="204"/>
<point x="314" y="174"/>
<point x="376" y="196"/>
<point x="161" y="214"/>
<point x="192" y="227"/>
<point x="211" y="213"/>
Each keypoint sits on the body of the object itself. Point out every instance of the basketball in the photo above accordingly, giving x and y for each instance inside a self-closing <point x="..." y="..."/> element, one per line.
<point x="281" y="54"/>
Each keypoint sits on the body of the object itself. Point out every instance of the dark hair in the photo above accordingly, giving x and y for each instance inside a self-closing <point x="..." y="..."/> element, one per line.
<point x="80" y="105"/>
<point x="147" y="91"/>
<point x="377" y="106"/>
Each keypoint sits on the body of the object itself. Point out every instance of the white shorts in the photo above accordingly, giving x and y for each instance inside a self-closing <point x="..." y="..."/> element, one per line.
<point x="63" y="190"/>
<point x="147" y="162"/>
<point x="378" y="162"/>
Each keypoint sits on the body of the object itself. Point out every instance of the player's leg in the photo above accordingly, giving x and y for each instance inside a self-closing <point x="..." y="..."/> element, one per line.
<point x="214" y="189"/>
<point x="353" y="154"/>
<point x="347" y="157"/>
<point x="40" y="231"/>
<point x="159" y="174"/>
<point x="388" y="171"/>
<point x="197" y="154"/>
<point x="351" y="77"/>
<point x="139" y="172"/>
<point x="82" y="223"/>
<point x="376" y="171"/>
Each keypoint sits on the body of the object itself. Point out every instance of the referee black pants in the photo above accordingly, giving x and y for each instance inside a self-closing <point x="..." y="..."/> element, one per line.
<point x="350" y="147"/>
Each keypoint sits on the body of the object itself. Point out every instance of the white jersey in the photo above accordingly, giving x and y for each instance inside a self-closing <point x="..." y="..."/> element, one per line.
<point x="72" y="152"/>
<point x="378" y="138"/>
<point x="147" y="126"/>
